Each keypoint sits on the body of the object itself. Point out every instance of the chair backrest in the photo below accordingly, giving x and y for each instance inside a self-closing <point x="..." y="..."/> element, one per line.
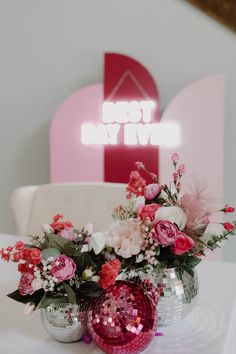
<point x="81" y="203"/>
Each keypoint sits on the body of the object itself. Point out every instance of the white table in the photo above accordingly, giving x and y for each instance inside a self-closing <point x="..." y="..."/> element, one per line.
<point x="209" y="329"/>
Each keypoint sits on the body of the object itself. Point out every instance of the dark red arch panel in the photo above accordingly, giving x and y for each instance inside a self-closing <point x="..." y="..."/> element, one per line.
<point x="125" y="79"/>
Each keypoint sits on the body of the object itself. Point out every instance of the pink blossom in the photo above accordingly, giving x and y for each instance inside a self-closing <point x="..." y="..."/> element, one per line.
<point x="178" y="186"/>
<point x="68" y="234"/>
<point x="165" y="232"/>
<point x="63" y="268"/>
<point x="206" y="220"/>
<point x="151" y="191"/>
<point x="175" y="158"/>
<point x="182" y="244"/>
<point x="25" y="284"/>
<point x="148" y="211"/>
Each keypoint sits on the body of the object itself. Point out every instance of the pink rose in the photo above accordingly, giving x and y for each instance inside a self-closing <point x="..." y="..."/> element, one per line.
<point x="63" y="268"/>
<point x="165" y="232"/>
<point x="25" y="284"/>
<point x="182" y="244"/>
<point x="148" y="211"/>
<point x="68" y="234"/>
<point x="151" y="191"/>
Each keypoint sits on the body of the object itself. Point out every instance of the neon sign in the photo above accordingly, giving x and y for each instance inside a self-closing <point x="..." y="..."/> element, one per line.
<point x="134" y="118"/>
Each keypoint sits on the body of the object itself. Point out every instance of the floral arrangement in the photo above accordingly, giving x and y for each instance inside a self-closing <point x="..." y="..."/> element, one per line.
<point x="159" y="227"/>
<point x="61" y="263"/>
<point x="163" y="227"/>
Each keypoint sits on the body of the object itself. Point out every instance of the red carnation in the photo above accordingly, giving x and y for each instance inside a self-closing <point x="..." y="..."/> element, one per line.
<point x="109" y="273"/>
<point x="136" y="185"/>
<point x="59" y="225"/>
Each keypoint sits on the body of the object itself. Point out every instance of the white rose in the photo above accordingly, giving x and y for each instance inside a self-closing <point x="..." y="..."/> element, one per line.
<point x="47" y="229"/>
<point x="125" y="237"/>
<point x="97" y="242"/>
<point x="174" y="214"/>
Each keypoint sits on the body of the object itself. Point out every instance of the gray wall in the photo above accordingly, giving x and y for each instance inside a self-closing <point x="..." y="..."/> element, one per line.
<point x="50" y="48"/>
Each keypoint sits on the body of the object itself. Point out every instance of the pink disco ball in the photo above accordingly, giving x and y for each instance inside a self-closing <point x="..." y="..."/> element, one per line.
<point x="123" y="320"/>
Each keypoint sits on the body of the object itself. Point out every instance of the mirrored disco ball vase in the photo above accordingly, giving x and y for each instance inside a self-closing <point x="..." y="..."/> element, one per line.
<point x="65" y="322"/>
<point x="178" y="292"/>
<point x="124" y="319"/>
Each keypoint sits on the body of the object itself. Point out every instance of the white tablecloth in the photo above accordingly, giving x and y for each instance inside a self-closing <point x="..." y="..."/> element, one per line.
<point x="209" y="329"/>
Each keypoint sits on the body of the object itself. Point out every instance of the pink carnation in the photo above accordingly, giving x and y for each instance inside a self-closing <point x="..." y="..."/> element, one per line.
<point x="148" y="211"/>
<point x="63" y="268"/>
<point x="165" y="232"/>
<point x="25" y="284"/>
<point x="182" y="244"/>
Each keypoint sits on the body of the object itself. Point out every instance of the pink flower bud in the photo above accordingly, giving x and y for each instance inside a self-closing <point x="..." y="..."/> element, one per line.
<point x="181" y="169"/>
<point x="228" y="209"/>
<point x="175" y="176"/>
<point x="175" y="158"/>
<point x="228" y="226"/>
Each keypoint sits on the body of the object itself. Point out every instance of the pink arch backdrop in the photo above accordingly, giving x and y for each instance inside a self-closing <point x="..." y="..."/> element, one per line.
<point x="199" y="110"/>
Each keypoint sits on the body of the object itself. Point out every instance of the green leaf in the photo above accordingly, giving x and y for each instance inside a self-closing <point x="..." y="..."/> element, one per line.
<point x="192" y="262"/>
<point x="61" y="244"/>
<point x="46" y="243"/>
<point x="50" y="252"/>
<point x="188" y="270"/>
<point x="70" y="292"/>
<point x="48" y="300"/>
<point x="83" y="261"/>
<point x="34" y="298"/>
<point x="90" y="289"/>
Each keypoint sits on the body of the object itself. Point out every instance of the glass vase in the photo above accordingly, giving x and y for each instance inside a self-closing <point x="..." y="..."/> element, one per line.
<point x="65" y="322"/>
<point x="178" y="292"/>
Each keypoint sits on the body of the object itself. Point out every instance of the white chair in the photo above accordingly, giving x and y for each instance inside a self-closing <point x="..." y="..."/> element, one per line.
<point x="81" y="203"/>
